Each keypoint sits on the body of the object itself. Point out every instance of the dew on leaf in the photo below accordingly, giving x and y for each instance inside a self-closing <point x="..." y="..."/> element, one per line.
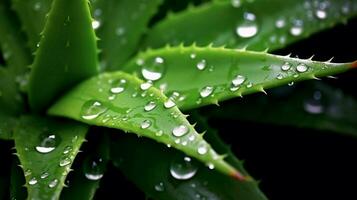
<point x="238" y="80"/>
<point x="286" y="66"/>
<point x="53" y="183"/>
<point x="117" y="86"/>
<point x="92" y="109"/>
<point x="146" y="85"/>
<point x="159" y="187"/>
<point x="33" y="181"/>
<point x="44" y="175"/>
<point x="93" y="169"/>
<point x="206" y="91"/>
<point x="180" y="130"/>
<point x="150" y="106"/>
<point x="182" y="168"/>
<point x="202" y="149"/>
<point x="314" y="104"/>
<point x="249" y="27"/>
<point x="145" y="124"/>
<point x="201" y="65"/>
<point x="48" y="143"/>
<point x="301" y="68"/>
<point x="64" y="162"/>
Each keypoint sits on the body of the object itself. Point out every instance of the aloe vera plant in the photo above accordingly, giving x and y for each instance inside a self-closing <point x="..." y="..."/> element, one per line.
<point x="78" y="75"/>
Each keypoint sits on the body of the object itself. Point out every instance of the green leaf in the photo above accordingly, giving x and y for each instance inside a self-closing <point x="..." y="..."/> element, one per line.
<point x="6" y="126"/>
<point x="10" y="100"/>
<point x="255" y="24"/>
<point x="119" y="100"/>
<point x="89" y="167"/>
<point x="67" y="52"/>
<point x="12" y="41"/>
<point x="149" y="165"/>
<point x="204" y="76"/>
<point x="46" y="149"/>
<point x="32" y="16"/>
<point x="316" y="106"/>
<point x="121" y="25"/>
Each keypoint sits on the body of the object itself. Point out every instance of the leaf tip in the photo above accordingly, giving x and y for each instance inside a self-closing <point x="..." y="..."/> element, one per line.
<point x="354" y="64"/>
<point x="240" y="177"/>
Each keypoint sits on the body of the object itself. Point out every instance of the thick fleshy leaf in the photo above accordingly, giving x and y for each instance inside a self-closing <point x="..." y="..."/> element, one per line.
<point x="195" y="76"/>
<point x="89" y="167"/>
<point x="67" y="52"/>
<point x="119" y="100"/>
<point x="258" y="24"/>
<point x="46" y="149"/>
<point x="120" y="27"/>
<point x="316" y="106"/>
<point x="10" y="100"/>
<point x="168" y="174"/>
<point x="12" y="41"/>
<point x="32" y="16"/>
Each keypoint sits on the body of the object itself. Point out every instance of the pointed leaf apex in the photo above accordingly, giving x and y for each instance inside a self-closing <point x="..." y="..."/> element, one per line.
<point x="354" y="64"/>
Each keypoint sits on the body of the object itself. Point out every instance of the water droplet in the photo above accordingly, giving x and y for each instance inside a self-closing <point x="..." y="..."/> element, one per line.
<point x="192" y="138"/>
<point x="202" y="149"/>
<point x="192" y="55"/>
<point x="210" y="165"/>
<point x="301" y="68"/>
<point x="159" y="133"/>
<point x="321" y="14"/>
<point x="146" y="85"/>
<point x="53" y="183"/>
<point x="159" y="187"/>
<point x="321" y="9"/>
<point x="150" y="106"/>
<point x="95" y="24"/>
<point x="238" y="80"/>
<point x="314" y="105"/>
<point x="93" y="169"/>
<point x="249" y="27"/>
<point x="145" y="124"/>
<point x="291" y="84"/>
<point x="346" y="8"/>
<point x="37" y="6"/>
<point x="155" y="71"/>
<point x="48" y="143"/>
<point x="280" y="23"/>
<point x="180" y="131"/>
<point x="182" y="169"/>
<point x="297" y="28"/>
<point x="236" y="3"/>
<point x="169" y="103"/>
<point x="279" y="76"/>
<point x="67" y="149"/>
<point x="44" y="175"/>
<point x="65" y="161"/>
<point x="33" y="181"/>
<point x="286" y="66"/>
<point x="206" y="91"/>
<point x="120" y="31"/>
<point x="201" y="65"/>
<point x="28" y="172"/>
<point x="249" y="85"/>
<point x="92" y="109"/>
<point x="140" y="62"/>
<point x="117" y="86"/>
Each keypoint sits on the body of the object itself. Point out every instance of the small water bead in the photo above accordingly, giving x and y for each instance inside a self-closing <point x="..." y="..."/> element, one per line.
<point x="155" y="71"/>
<point x="301" y="68"/>
<point x="159" y="187"/>
<point x="297" y="28"/>
<point x="177" y="141"/>
<point x="201" y="65"/>
<point x="180" y="131"/>
<point x="120" y="31"/>
<point x="159" y="133"/>
<point x="291" y="84"/>
<point x="279" y="76"/>
<point x="202" y="149"/>
<point x="44" y="175"/>
<point x="314" y="105"/>
<point x="37" y="6"/>
<point x="192" y="138"/>
<point x="206" y="91"/>
<point x="249" y="85"/>
<point x="236" y="3"/>
<point x="118" y="86"/>
<point x="346" y="8"/>
<point x="33" y="181"/>
<point x="94" y="169"/>
<point x="65" y="161"/>
<point x="150" y="106"/>
<point x="98" y="12"/>
<point x="95" y="24"/>
<point x="145" y="124"/>
<point x="28" y="172"/>
<point x="321" y="9"/>
<point x="140" y="62"/>
<point x="53" y="183"/>
<point x="238" y="80"/>
<point x="48" y="143"/>
<point x="280" y="23"/>
<point x="249" y="27"/>
<point x="210" y="165"/>
<point x="183" y="169"/>
<point x="192" y="55"/>
<point x="146" y="85"/>
<point x="92" y="109"/>
<point x="286" y="66"/>
<point x="169" y="103"/>
<point x="67" y="149"/>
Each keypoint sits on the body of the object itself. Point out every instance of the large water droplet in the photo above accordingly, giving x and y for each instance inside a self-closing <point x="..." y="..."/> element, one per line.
<point x="53" y="183"/>
<point x="155" y="71"/>
<point x="206" y="91"/>
<point x="180" y="131"/>
<point x="301" y="68"/>
<point x="48" y="143"/>
<point x="201" y="65"/>
<point x="249" y="27"/>
<point x="314" y="105"/>
<point x="145" y="124"/>
<point x="118" y="86"/>
<point x="93" y="169"/>
<point x="150" y="106"/>
<point x="160" y="187"/>
<point x="33" y="181"/>
<point x="183" y="168"/>
<point x="92" y="109"/>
